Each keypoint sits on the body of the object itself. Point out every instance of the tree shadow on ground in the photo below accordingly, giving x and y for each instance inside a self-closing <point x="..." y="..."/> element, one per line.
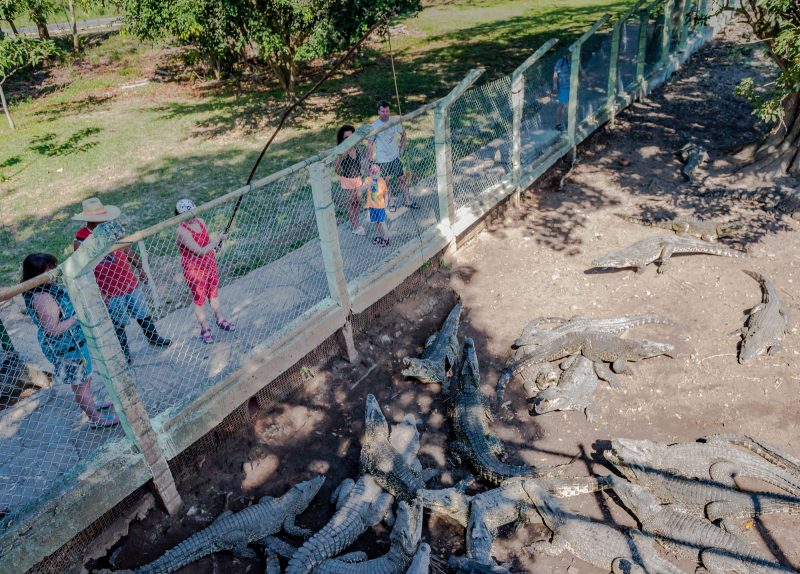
<point x="48" y="144"/>
<point x="89" y="104"/>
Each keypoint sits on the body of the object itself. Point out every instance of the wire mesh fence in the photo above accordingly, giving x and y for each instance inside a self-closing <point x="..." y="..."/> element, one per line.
<point x="480" y="133"/>
<point x="627" y="64"/>
<point x="184" y="309"/>
<point x="52" y="413"/>
<point x="385" y="208"/>
<point x="222" y="300"/>
<point x="542" y="123"/>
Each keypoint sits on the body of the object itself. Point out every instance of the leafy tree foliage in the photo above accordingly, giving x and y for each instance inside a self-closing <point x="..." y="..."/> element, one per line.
<point x="16" y="53"/>
<point x="777" y="24"/>
<point x="279" y="33"/>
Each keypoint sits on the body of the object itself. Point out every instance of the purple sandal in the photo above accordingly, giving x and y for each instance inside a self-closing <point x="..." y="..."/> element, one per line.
<point x="206" y="336"/>
<point x="226" y="325"/>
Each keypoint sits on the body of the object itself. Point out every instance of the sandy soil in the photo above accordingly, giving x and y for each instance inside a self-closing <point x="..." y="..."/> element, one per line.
<point x="536" y="262"/>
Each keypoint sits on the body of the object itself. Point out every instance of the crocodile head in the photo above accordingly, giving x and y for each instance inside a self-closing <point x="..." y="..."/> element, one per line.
<point x="450" y="501"/>
<point x="650" y="349"/>
<point x="636" y="498"/>
<point x="470" y="379"/>
<point x="630" y="451"/>
<point x="630" y="467"/>
<point x="407" y="531"/>
<point x="728" y="229"/>
<point x="615" y="259"/>
<point x="375" y="425"/>
<point x="551" y="399"/>
<point x="424" y="370"/>
<point x="306" y="491"/>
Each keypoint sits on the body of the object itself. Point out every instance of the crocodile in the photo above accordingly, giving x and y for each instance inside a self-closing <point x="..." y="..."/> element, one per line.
<point x="597" y="347"/>
<point x="687" y="226"/>
<point x="771" y="453"/>
<point x="234" y="531"/>
<point x="708" y="498"/>
<point x="594" y="542"/>
<point x="537" y="377"/>
<point x="404" y="538"/>
<point x="717" y="460"/>
<point x="766" y="322"/>
<point x="440" y="353"/>
<point x="532" y="335"/>
<point x="574" y="390"/>
<point x="660" y="248"/>
<point x="509" y="502"/>
<point x="382" y="460"/>
<point x="716" y="549"/>
<point x="469" y="413"/>
<point x="422" y="560"/>
<point x="359" y="506"/>
<point x="692" y="156"/>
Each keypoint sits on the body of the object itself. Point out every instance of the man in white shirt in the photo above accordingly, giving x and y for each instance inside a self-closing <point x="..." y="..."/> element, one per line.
<point x="387" y="150"/>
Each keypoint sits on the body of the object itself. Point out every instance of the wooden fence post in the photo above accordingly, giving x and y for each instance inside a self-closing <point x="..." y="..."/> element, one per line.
<point x="641" y="56"/>
<point x="325" y="213"/>
<point x="517" y="103"/>
<point x="611" y="94"/>
<point x="666" y="35"/>
<point x="145" y="259"/>
<point x="108" y="360"/>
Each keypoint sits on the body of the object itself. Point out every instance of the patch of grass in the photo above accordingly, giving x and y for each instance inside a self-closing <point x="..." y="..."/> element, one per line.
<point x="143" y="148"/>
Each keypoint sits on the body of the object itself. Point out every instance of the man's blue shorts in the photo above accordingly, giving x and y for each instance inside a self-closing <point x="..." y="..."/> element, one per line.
<point x="563" y="95"/>
<point x="377" y="215"/>
<point x="131" y="304"/>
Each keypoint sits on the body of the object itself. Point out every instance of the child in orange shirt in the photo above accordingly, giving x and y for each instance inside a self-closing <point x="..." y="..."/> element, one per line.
<point x="376" y="189"/>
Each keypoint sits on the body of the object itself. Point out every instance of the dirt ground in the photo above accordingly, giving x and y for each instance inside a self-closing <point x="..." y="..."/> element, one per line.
<point x="536" y="262"/>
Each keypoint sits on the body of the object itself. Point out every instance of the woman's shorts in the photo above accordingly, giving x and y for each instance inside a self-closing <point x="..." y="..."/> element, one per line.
<point x="74" y="367"/>
<point x="377" y="215"/>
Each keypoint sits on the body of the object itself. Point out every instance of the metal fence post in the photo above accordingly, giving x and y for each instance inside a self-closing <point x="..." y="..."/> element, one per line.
<point x="685" y="22"/>
<point x="444" y="160"/>
<point x="666" y="31"/>
<point x="325" y="213"/>
<point x="109" y="362"/>
<point x="572" y="107"/>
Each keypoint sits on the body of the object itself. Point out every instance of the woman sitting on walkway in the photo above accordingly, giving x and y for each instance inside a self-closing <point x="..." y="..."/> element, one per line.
<point x="61" y="337"/>
<point x="200" y="269"/>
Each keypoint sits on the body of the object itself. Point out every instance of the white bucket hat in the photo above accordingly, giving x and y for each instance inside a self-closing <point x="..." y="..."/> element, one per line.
<point x="95" y="212"/>
<point x="184" y="205"/>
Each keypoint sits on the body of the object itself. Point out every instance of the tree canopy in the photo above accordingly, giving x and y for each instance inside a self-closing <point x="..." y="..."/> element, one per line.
<point x="777" y="24"/>
<point x="16" y="53"/>
<point x="278" y="33"/>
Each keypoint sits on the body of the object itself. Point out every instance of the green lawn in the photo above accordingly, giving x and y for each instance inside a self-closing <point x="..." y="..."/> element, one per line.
<point x="143" y="147"/>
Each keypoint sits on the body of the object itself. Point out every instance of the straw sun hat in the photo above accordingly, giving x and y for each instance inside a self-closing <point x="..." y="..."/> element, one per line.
<point x="95" y="212"/>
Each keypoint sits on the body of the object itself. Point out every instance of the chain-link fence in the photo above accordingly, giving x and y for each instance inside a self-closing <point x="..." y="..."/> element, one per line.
<point x="178" y="320"/>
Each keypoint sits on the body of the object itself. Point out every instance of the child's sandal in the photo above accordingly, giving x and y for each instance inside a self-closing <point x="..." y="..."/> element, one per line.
<point x="206" y="336"/>
<point x="226" y="325"/>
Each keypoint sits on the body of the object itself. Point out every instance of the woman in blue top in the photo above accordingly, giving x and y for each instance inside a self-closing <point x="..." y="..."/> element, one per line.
<point x="61" y="337"/>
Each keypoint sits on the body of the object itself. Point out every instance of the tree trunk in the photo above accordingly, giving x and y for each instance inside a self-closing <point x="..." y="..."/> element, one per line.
<point x="779" y="153"/>
<point x="76" y="43"/>
<point x="5" y="107"/>
<point x="41" y="26"/>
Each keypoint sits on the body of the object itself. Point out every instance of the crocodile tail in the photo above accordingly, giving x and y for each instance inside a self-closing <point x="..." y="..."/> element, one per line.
<point x="193" y="548"/>
<point x="502" y="383"/>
